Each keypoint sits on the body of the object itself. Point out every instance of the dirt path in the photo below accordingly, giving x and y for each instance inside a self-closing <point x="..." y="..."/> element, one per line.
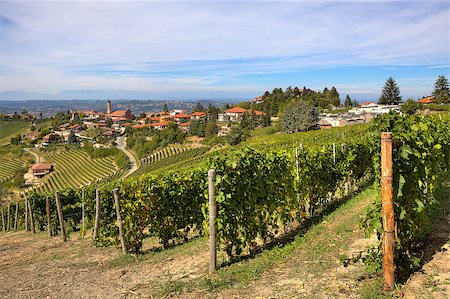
<point x="434" y="279"/>
<point x="35" y="266"/>
<point x="121" y="144"/>
<point x="37" y="158"/>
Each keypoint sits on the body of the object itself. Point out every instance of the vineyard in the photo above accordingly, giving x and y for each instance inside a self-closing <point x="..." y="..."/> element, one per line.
<point x="75" y="168"/>
<point x="9" y="129"/>
<point x="9" y="167"/>
<point x="263" y="194"/>
<point x="168" y="157"/>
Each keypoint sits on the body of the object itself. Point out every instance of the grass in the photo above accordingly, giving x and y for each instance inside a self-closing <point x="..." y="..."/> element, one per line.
<point x="9" y="129"/>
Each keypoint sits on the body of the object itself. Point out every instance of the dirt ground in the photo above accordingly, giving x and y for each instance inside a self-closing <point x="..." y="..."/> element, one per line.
<point x="433" y="281"/>
<point x="36" y="266"/>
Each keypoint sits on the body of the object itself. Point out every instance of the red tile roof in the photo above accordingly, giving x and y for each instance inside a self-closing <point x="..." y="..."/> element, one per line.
<point x="41" y="166"/>
<point x="185" y="124"/>
<point x="181" y="115"/>
<point x="198" y="113"/>
<point x="236" y="110"/>
<point x="426" y="100"/>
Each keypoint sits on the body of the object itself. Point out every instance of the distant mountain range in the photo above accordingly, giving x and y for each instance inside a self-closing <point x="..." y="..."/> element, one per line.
<point x="14" y="95"/>
<point x="51" y="107"/>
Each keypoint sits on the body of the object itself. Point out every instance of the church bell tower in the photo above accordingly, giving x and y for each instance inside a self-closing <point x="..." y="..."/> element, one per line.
<point x="108" y="106"/>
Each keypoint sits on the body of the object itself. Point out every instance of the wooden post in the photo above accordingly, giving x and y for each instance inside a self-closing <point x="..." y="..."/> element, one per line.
<point x="3" y="219"/>
<point x="47" y="207"/>
<point x="60" y="216"/>
<point x="334" y="153"/>
<point x="97" y="213"/>
<point x="82" y="213"/>
<point x="387" y="211"/>
<point x="212" y="222"/>
<point x="16" y="216"/>
<point x="296" y="162"/>
<point x="26" y="214"/>
<point x="30" y="210"/>
<point x="119" y="221"/>
<point x="8" y="217"/>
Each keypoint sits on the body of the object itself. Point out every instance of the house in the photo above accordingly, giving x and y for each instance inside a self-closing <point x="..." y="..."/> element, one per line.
<point x="222" y="117"/>
<point x="41" y="169"/>
<point x="50" y="138"/>
<point x="198" y="115"/>
<point x="223" y="130"/>
<point x="373" y="108"/>
<point x="235" y="114"/>
<point x="185" y="126"/>
<point x="257" y="100"/>
<point x="64" y="127"/>
<point x="32" y="135"/>
<point x="120" y="115"/>
<point x="109" y="133"/>
<point x="427" y="100"/>
<point x="161" y="126"/>
<point x="177" y="111"/>
<point x="323" y="124"/>
<point x="181" y="118"/>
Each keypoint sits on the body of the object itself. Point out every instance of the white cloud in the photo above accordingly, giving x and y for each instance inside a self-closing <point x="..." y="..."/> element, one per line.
<point x="49" y="46"/>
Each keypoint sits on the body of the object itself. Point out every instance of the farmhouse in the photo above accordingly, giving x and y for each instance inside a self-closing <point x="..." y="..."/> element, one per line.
<point x="41" y="169"/>
<point x="32" y="135"/>
<point x="235" y="114"/>
<point x="181" y="118"/>
<point x="198" y="115"/>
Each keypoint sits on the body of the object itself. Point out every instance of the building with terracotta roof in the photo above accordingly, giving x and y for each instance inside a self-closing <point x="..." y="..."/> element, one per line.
<point x="181" y="118"/>
<point x="427" y="100"/>
<point x="32" y="135"/>
<point x="41" y="169"/>
<point x="235" y="114"/>
<point x="198" y="115"/>
<point x="185" y="126"/>
<point x="120" y="115"/>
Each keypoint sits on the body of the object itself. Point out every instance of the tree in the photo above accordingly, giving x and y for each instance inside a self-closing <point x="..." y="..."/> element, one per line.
<point x="165" y="109"/>
<point x="441" y="91"/>
<point x="236" y="136"/>
<point x="409" y="106"/>
<point x="198" y="108"/>
<point x="390" y="94"/>
<point x="355" y="103"/>
<point x="333" y="95"/>
<point x="108" y="122"/>
<point x="348" y="101"/>
<point x="211" y="130"/>
<point x="300" y="116"/>
<point x="72" y="138"/>
<point x="197" y="128"/>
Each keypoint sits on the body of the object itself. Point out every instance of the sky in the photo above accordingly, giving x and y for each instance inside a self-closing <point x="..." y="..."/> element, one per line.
<point x="221" y="49"/>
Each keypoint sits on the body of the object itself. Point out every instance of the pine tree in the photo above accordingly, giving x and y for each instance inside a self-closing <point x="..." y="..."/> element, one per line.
<point x="165" y="109"/>
<point x="348" y="101"/>
<point x="441" y="91"/>
<point x="335" y="100"/>
<point x="390" y="93"/>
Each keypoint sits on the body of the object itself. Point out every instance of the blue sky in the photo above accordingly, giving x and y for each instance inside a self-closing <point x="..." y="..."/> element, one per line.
<point x="222" y="48"/>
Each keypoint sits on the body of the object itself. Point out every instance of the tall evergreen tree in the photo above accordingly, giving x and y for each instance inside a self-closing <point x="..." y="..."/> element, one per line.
<point x="198" y="108"/>
<point x="441" y="90"/>
<point x="335" y="100"/>
<point x="165" y="109"/>
<point x="390" y="94"/>
<point x="348" y="101"/>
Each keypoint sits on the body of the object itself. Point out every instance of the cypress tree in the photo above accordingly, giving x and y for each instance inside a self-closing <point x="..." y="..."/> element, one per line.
<point x="390" y="93"/>
<point x="348" y="101"/>
<point x="441" y="91"/>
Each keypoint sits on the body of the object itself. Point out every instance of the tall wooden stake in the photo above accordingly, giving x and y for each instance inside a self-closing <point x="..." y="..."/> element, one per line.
<point x="387" y="211"/>
<point x="60" y="216"/>
<point x="8" y="217"/>
<point x="16" y="216"/>
<point x="30" y="210"/>
<point x="334" y="153"/>
<point x="119" y="221"/>
<point x="82" y="213"/>
<point x="212" y="222"/>
<point x="3" y="219"/>
<point x="26" y="215"/>
<point x="296" y="162"/>
<point x="97" y="213"/>
<point x="47" y="207"/>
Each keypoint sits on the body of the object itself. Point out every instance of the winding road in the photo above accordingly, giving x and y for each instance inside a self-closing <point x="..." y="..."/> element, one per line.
<point x="122" y="145"/>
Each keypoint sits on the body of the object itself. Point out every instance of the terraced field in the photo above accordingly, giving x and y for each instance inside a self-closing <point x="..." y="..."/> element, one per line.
<point x="9" y="129"/>
<point x="9" y="167"/>
<point x="75" y="168"/>
<point x="168" y="156"/>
